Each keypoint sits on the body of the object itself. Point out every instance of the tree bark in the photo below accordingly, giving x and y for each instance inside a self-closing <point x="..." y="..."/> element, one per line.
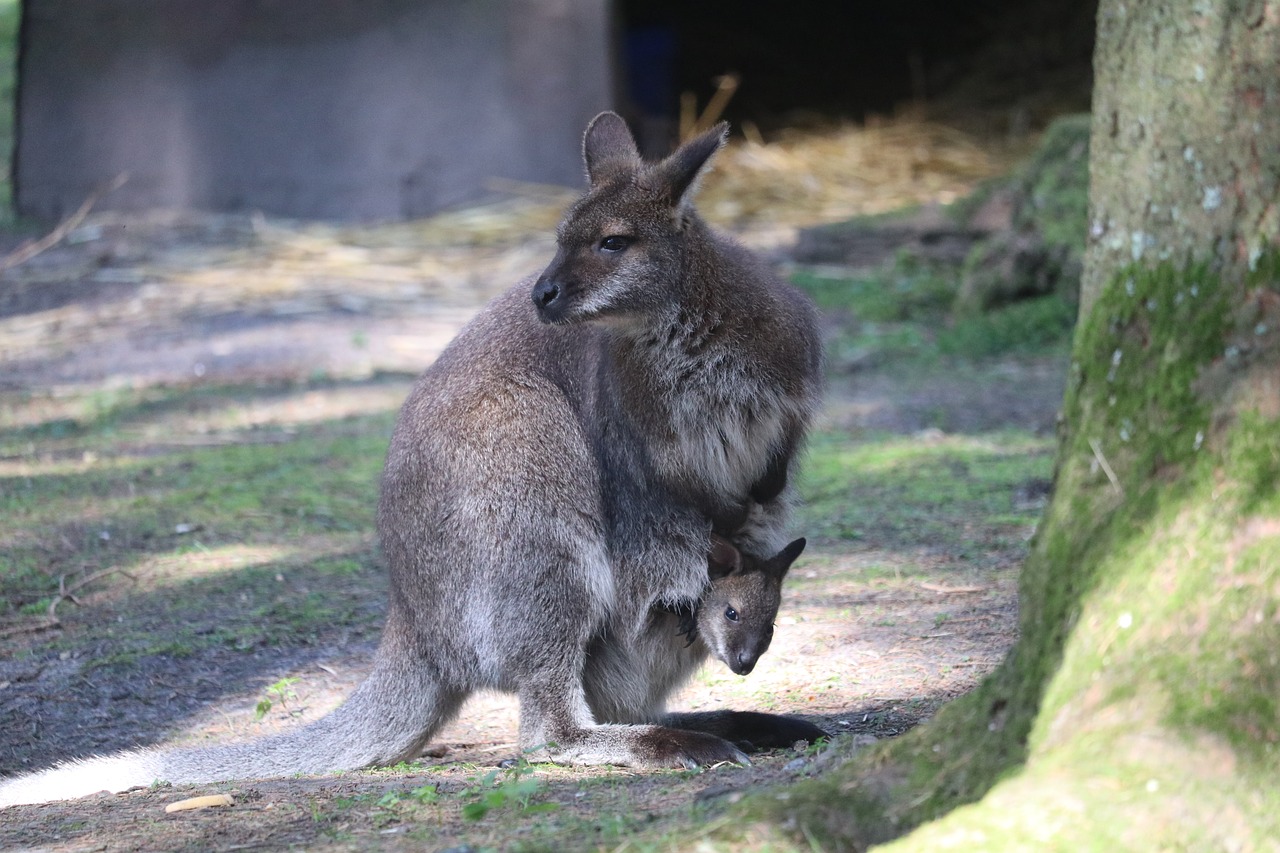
<point x="1140" y="708"/>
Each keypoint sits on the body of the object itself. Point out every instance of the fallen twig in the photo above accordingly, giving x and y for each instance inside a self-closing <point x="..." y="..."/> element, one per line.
<point x="951" y="590"/>
<point x="29" y="628"/>
<point x="1106" y="468"/>
<point x="65" y="594"/>
<point x="31" y="248"/>
<point x="691" y="122"/>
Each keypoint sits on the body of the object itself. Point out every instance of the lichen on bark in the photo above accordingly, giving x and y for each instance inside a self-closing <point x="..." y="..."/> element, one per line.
<point x="1185" y="123"/>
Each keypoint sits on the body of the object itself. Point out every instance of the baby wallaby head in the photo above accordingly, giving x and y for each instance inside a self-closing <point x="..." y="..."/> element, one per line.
<point x="735" y="615"/>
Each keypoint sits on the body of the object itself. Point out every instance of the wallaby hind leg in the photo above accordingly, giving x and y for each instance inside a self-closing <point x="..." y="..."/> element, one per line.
<point x="750" y="730"/>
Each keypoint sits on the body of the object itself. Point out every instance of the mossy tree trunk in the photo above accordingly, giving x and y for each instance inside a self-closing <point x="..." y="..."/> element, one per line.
<point x="1140" y="709"/>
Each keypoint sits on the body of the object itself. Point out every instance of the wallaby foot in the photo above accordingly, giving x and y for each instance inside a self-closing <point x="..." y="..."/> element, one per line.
<point x="750" y="730"/>
<point x="654" y="747"/>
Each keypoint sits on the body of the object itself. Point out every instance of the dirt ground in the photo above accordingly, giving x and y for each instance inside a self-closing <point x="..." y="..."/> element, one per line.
<point x="871" y="639"/>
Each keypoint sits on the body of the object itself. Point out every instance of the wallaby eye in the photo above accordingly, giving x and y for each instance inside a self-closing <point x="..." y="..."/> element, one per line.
<point x="731" y="614"/>
<point x="614" y="243"/>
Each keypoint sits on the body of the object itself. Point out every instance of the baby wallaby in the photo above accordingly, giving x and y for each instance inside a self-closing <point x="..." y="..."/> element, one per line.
<point x="734" y="617"/>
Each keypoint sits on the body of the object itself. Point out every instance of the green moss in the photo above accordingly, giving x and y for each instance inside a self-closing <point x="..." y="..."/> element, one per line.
<point x="1031" y="325"/>
<point x="1135" y="364"/>
<point x="1223" y="672"/>
<point x="1132" y="404"/>
<point x="1054" y="184"/>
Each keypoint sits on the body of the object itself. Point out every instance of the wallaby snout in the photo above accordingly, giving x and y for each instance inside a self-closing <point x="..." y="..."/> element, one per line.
<point x="622" y="248"/>
<point x="745" y="661"/>
<point x="584" y="280"/>
<point x="546" y="298"/>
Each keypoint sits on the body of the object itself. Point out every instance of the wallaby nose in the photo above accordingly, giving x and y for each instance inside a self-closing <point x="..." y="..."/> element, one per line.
<point x="744" y="663"/>
<point x="545" y="292"/>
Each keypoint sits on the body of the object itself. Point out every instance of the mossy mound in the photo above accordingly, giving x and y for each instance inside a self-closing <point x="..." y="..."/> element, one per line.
<point x="1042" y="251"/>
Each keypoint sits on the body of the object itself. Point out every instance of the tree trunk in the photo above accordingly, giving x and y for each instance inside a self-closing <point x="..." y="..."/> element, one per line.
<point x="1140" y="708"/>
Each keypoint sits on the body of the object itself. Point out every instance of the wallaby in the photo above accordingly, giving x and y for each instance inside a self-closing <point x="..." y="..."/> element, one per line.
<point x="732" y="621"/>
<point x="553" y="476"/>
<point x="734" y="618"/>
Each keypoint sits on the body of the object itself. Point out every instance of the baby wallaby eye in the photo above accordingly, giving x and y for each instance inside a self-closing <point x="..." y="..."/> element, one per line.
<point x="731" y="614"/>
<point x="614" y="243"/>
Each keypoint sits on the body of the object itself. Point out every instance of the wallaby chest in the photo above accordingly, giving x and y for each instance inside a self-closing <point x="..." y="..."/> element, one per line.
<point x="709" y="419"/>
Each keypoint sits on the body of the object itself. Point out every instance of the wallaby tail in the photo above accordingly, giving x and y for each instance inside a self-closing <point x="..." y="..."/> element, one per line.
<point x="389" y="718"/>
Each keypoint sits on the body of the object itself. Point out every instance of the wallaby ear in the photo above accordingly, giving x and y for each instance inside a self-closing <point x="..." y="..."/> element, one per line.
<point x="724" y="558"/>
<point x="788" y="555"/>
<point x="608" y="147"/>
<point x="677" y="176"/>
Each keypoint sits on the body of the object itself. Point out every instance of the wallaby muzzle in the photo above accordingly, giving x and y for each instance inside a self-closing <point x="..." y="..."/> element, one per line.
<point x="547" y="299"/>
<point x="743" y="662"/>
<point x="551" y="292"/>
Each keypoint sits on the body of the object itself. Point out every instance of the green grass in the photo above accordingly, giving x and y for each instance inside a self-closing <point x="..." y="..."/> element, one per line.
<point x="265" y="523"/>
<point x="904" y="313"/>
<point x="263" y="538"/>
<point x="116" y="511"/>
<point x="907" y="290"/>
<point x="901" y="315"/>
<point x="956" y="491"/>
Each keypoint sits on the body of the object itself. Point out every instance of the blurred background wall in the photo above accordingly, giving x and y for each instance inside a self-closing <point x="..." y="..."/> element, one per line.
<point x="388" y="109"/>
<point x="333" y="109"/>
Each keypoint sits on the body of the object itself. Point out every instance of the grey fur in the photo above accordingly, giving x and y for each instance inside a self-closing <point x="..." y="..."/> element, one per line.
<point x="554" y="476"/>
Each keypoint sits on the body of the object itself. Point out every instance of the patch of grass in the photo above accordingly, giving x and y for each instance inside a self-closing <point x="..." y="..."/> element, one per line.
<point x="510" y="787"/>
<point x="282" y="691"/>
<point x="908" y="289"/>
<point x="901" y="314"/>
<point x="1030" y="326"/>
<point x="65" y="513"/>
<point x="957" y="491"/>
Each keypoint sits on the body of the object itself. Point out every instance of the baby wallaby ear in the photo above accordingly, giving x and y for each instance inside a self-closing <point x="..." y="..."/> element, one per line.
<point x="788" y="555"/>
<point x="676" y="177"/>
<point x="608" y="147"/>
<point x="724" y="558"/>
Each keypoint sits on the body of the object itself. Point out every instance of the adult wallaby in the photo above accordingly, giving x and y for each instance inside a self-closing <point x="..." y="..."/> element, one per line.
<point x="553" y="476"/>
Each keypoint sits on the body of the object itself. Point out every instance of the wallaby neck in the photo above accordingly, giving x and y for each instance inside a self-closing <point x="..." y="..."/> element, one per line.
<point x="693" y="386"/>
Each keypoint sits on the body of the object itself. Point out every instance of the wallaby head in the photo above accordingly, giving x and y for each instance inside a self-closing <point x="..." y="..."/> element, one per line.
<point x="621" y="249"/>
<point x="735" y="615"/>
